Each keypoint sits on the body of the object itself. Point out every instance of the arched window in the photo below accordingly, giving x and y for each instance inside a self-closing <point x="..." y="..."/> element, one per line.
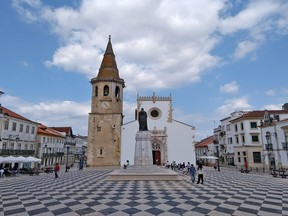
<point x="106" y="90"/>
<point x="96" y="91"/>
<point x="100" y="152"/>
<point x="117" y="92"/>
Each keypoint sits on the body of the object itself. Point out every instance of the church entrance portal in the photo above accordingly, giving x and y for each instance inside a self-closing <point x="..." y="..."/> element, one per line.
<point x="156" y="158"/>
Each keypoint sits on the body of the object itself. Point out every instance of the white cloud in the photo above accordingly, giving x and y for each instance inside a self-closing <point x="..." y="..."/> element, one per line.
<point x="172" y="45"/>
<point x="273" y="107"/>
<point x="231" y="105"/>
<point x="231" y="87"/>
<point x="52" y="113"/>
<point x="244" y="48"/>
<point x="270" y="92"/>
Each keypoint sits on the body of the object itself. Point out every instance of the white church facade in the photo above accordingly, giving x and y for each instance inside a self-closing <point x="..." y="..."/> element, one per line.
<point x="171" y="140"/>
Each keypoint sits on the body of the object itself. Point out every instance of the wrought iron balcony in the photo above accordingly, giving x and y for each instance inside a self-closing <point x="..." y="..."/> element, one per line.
<point x="269" y="147"/>
<point x="285" y="145"/>
<point x="16" y="152"/>
<point x="57" y="154"/>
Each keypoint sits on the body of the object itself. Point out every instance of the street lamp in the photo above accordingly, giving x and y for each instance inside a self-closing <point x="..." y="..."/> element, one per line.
<point x="269" y="148"/>
<point x="216" y="144"/>
<point x="68" y="147"/>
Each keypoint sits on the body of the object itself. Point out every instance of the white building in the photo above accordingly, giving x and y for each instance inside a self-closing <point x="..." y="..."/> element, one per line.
<point x="17" y="134"/>
<point x="52" y="146"/>
<point x="242" y="137"/>
<point x="172" y="140"/>
<point x="275" y="141"/>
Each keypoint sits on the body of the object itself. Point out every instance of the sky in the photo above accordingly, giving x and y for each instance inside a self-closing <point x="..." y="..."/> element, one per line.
<point x="214" y="57"/>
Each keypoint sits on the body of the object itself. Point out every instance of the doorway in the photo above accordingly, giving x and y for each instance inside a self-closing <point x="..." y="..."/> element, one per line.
<point x="157" y="158"/>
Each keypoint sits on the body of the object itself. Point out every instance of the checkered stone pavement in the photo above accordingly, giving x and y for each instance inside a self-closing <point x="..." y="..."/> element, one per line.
<point x="88" y="193"/>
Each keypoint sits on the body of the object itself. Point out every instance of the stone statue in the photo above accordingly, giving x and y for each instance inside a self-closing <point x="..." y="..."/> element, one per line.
<point x="142" y="118"/>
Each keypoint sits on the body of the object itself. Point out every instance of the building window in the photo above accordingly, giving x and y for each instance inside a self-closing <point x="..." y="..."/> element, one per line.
<point x="32" y="130"/>
<point x="237" y="139"/>
<point x="21" y="128"/>
<point x="31" y="146"/>
<point x="26" y="146"/>
<point x="4" y="145"/>
<point x="27" y="128"/>
<point x="117" y="92"/>
<point x="243" y="139"/>
<point x="98" y="129"/>
<point x="255" y="138"/>
<point x="19" y="146"/>
<point x="228" y="127"/>
<point x="12" y="146"/>
<point x="253" y="125"/>
<point x="230" y="140"/>
<point x="236" y="127"/>
<point x="242" y="126"/>
<point x="6" y="125"/>
<point x="239" y="157"/>
<point x="257" y="157"/>
<point x="14" y="126"/>
<point x="106" y="90"/>
<point x="96" y="91"/>
<point x="100" y="152"/>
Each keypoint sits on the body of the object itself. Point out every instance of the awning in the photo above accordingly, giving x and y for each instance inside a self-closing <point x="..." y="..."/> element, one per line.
<point x="209" y="157"/>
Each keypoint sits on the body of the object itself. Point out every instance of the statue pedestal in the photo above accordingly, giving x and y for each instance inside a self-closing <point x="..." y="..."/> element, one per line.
<point x="143" y="149"/>
<point x="143" y="169"/>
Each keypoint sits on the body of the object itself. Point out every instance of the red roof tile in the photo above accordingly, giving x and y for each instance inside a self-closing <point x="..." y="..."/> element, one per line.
<point x="12" y="114"/>
<point x="205" y="142"/>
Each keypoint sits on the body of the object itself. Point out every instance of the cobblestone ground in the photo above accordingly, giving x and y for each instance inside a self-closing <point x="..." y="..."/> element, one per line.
<point x="86" y="192"/>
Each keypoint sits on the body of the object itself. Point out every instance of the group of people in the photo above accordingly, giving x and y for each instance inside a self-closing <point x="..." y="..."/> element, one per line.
<point x="192" y="170"/>
<point x="189" y="169"/>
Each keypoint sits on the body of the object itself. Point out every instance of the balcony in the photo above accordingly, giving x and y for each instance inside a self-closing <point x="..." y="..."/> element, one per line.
<point x="285" y="145"/>
<point x="57" y="154"/>
<point x="269" y="147"/>
<point x="8" y="152"/>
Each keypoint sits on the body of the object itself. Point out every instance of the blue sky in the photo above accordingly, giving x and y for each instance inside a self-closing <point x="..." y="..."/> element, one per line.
<point x="213" y="56"/>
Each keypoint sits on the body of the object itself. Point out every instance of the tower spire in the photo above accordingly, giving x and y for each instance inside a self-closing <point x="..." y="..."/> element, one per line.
<point x="108" y="68"/>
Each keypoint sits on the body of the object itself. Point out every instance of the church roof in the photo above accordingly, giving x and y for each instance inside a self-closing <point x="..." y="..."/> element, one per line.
<point x="108" y="68"/>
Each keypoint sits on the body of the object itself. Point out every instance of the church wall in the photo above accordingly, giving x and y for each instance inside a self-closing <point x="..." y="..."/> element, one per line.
<point x="181" y="143"/>
<point x="128" y="134"/>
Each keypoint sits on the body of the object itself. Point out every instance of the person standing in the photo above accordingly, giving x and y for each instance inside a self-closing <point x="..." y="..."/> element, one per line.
<point x="56" y="170"/>
<point x="192" y="171"/>
<point x="200" y="174"/>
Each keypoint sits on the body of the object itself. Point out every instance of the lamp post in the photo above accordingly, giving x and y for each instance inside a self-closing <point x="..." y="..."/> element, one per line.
<point x="216" y="144"/>
<point x="68" y="147"/>
<point x="269" y="148"/>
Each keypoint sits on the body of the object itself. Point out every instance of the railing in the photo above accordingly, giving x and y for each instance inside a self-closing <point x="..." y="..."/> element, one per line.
<point x="285" y="145"/>
<point x="17" y="152"/>
<point x="57" y="154"/>
<point x="269" y="147"/>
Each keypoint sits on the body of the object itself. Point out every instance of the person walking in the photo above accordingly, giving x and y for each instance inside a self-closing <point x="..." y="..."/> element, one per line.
<point x="56" y="170"/>
<point x="192" y="171"/>
<point x="200" y="174"/>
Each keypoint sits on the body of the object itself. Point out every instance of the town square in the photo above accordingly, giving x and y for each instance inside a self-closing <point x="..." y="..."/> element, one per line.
<point x="124" y="107"/>
<point x="87" y="192"/>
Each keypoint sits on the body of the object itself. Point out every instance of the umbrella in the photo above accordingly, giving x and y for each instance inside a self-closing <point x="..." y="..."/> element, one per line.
<point x="209" y="157"/>
<point x="9" y="159"/>
<point x="22" y="159"/>
<point x="33" y="159"/>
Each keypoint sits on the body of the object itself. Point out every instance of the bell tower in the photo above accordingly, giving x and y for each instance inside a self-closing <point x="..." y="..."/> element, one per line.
<point x="105" y="119"/>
